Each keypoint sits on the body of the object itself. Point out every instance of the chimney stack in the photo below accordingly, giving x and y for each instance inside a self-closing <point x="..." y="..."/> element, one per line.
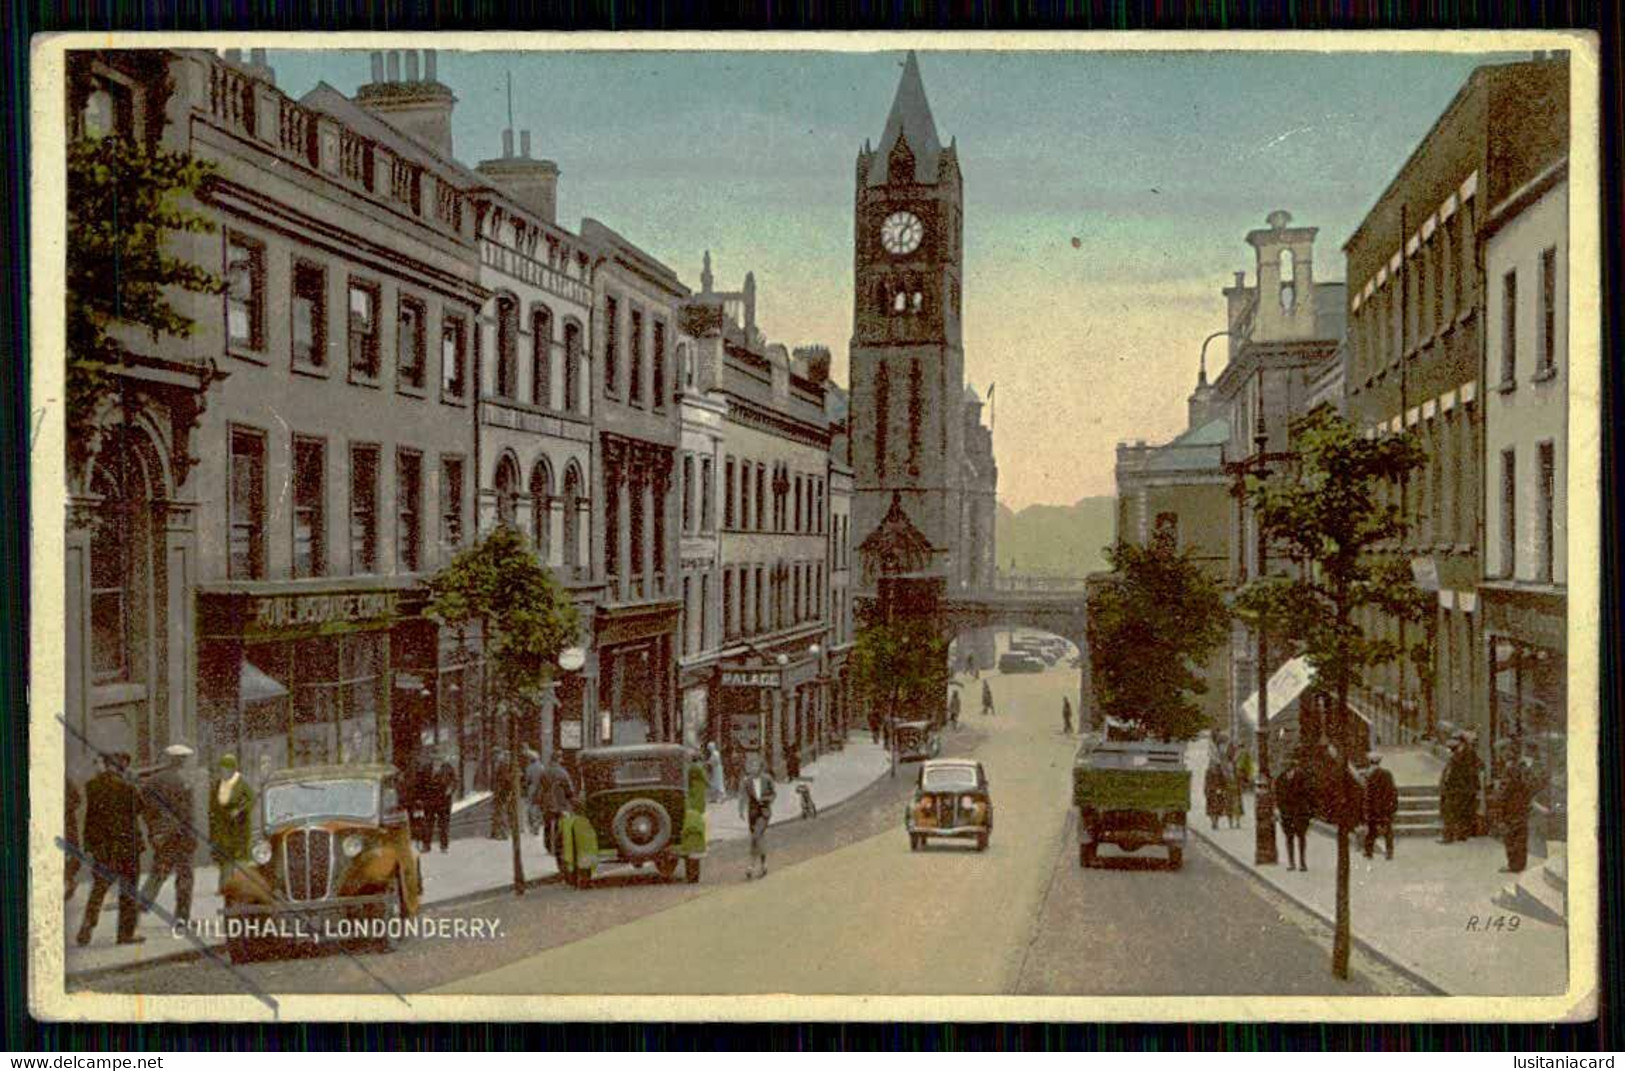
<point x="507" y="144"/>
<point x="533" y="183"/>
<point x="418" y="107"/>
<point x="524" y="144"/>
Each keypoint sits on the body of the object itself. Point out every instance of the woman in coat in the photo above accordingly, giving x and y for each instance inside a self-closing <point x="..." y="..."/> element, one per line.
<point x="713" y="763"/>
<point x="1216" y="786"/>
<point x="231" y="806"/>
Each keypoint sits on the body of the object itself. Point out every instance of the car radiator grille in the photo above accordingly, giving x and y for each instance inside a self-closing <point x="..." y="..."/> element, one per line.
<point x="307" y="862"/>
<point x="947" y="811"/>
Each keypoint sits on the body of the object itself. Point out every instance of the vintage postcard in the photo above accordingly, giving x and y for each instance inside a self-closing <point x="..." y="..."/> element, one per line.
<point x="696" y="527"/>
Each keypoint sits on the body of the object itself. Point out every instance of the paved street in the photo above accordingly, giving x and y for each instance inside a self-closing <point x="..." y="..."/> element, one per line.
<point x="847" y="908"/>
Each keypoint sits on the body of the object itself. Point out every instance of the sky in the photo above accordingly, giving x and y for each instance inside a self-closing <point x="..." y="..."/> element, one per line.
<point x="1107" y="196"/>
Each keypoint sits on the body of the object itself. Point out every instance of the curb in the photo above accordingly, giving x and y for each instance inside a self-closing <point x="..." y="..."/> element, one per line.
<point x="1361" y="943"/>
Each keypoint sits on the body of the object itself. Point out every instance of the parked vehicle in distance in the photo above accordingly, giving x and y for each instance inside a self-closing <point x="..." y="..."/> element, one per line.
<point x="639" y="807"/>
<point x="1019" y="662"/>
<point x="1132" y="794"/>
<point x="916" y="740"/>
<point x="334" y="859"/>
<point x="951" y="799"/>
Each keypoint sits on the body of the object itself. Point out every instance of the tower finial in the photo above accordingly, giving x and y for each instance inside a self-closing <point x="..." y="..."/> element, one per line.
<point x="705" y="274"/>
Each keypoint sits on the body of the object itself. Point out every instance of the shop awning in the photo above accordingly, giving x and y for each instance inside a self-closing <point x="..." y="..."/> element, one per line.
<point x="1286" y="685"/>
<point x="256" y="686"/>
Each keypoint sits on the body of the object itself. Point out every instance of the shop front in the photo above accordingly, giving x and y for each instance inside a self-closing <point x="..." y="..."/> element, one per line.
<point x="1526" y="636"/>
<point x="637" y="681"/>
<point x="292" y="676"/>
<point x="769" y="710"/>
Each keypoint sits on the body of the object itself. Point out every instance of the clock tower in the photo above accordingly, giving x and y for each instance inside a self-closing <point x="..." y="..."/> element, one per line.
<point x="907" y="360"/>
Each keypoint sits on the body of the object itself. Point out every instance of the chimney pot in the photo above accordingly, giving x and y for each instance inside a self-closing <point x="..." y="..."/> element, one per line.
<point x="377" y="67"/>
<point x="393" y="62"/>
<point x="235" y="55"/>
<point x="1241" y="279"/>
<point x="256" y="56"/>
<point x="507" y="144"/>
<point x="524" y="144"/>
<point x="412" y="65"/>
<point x="429" y="74"/>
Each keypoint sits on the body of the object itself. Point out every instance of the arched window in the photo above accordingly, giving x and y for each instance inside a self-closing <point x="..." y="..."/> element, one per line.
<point x="120" y="566"/>
<point x="541" y="507"/>
<point x="899" y="302"/>
<point x="1289" y="281"/>
<point x="507" y="487"/>
<point x="573" y="485"/>
<point x="572" y="366"/>
<point x="541" y="356"/>
<point x="507" y="346"/>
<point x="918" y="301"/>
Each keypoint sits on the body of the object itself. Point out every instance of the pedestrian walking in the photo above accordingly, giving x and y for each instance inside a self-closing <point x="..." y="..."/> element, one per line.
<point x="72" y="800"/>
<point x="557" y="796"/>
<point x="231" y="805"/>
<point x="953" y="710"/>
<point x="987" y="699"/>
<point x="1381" y="804"/>
<point x="532" y="784"/>
<point x="113" y="842"/>
<point x="713" y="761"/>
<point x="1295" y="799"/>
<point x="415" y="795"/>
<point x="874" y="725"/>
<point x="1516" y="793"/>
<point x="970" y="667"/>
<point x="502" y="801"/>
<point x="441" y="791"/>
<point x="756" y="808"/>
<point x="1066" y="715"/>
<point x="1216" y="789"/>
<point x="172" y="827"/>
<point x="1458" y="790"/>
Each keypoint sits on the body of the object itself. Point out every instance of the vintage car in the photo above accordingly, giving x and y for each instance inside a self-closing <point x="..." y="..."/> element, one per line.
<point x="640" y="805"/>
<point x="333" y="860"/>
<point x="1020" y="662"/>
<point x="951" y="799"/>
<point x="1132" y="794"/>
<point x="916" y="740"/>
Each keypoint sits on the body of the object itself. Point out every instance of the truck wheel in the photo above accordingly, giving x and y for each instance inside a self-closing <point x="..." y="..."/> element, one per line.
<point x="914" y="842"/>
<point x="981" y="842"/>
<point x="1176" y="858"/>
<point x="1086" y="855"/>
<point x="691" y="871"/>
<point x="667" y="866"/>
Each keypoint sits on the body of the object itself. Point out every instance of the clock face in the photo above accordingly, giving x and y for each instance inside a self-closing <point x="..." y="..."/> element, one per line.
<point x="901" y="233"/>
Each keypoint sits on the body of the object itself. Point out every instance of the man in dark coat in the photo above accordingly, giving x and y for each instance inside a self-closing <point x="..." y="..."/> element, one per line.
<point x="440" y="789"/>
<point x="1517" y="791"/>
<point x="113" y="842"/>
<point x="1381" y="804"/>
<point x="987" y="698"/>
<point x="531" y="785"/>
<point x="556" y="795"/>
<point x="1066" y="715"/>
<point x="953" y="710"/>
<point x="416" y="794"/>
<point x="502" y="800"/>
<point x="1458" y="791"/>
<point x="73" y="799"/>
<point x="172" y="825"/>
<point x="1295" y="800"/>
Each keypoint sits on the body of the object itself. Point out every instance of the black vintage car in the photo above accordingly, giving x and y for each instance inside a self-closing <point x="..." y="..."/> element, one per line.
<point x="917" y="740"/>
<point x="641" y="805"/>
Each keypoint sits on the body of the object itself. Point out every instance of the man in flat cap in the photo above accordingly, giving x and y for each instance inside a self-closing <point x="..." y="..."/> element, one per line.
<point x="172" y="824"/>
<point x="113" y="842"/>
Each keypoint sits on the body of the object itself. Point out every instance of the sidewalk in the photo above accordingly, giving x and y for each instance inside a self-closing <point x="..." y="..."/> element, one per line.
<point x="1424" y="910"/>
<point x="473" y="865"/>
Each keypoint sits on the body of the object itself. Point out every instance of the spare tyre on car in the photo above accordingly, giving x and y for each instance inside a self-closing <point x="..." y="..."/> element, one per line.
<point x="639" y="804"/>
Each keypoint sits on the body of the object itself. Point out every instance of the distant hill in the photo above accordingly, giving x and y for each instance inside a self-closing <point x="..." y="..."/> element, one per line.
<point x="1055" y="540"/>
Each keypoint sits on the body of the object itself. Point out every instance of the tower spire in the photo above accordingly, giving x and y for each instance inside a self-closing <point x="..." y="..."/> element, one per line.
<point x="910" y="120"/>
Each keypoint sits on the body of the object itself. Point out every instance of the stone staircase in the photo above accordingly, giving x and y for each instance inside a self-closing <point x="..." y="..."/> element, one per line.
<point x="1542" y="891"/>
<point x="1418" y="814"/>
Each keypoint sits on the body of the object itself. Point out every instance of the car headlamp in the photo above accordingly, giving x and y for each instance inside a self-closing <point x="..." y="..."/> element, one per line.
<point x="261" y="852"/>
<point x="353" y="845"/>
<point x="967" y="801"/>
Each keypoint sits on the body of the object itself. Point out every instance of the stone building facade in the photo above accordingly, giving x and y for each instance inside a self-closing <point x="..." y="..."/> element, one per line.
<point x="1524" y="594"/>
<point x="293" y="600"/>
<point x="638" y="421"/>
<point x="1415" y="364"/>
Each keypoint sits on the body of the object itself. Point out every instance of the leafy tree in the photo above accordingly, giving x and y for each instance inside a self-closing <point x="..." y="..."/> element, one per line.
<point x="123" y="206"/>
<point x="1330" y="512"/>
<point x="526" y="621"/>
<point x="900" y="667"/>
<point x="1152" y="623"/>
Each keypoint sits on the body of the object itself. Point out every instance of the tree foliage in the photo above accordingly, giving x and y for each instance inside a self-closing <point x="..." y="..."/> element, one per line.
<point x="1151" y="625"/>
<point x="123" y="205"/>
<point x="901" y="667"/>
<point x="499" y="582"/>
<point x="1330" y="513"/>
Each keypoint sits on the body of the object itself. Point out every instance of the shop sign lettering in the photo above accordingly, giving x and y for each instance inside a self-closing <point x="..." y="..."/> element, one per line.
<point x="736" y="678"/>
<point x="290" y="611"/>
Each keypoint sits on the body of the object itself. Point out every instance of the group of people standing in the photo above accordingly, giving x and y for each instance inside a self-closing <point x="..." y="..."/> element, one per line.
<point x="1317" y="783"/>
<point x="1515" y="780"/>
<point x="1229" y="772"/>
<point x="124" y="815"/>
